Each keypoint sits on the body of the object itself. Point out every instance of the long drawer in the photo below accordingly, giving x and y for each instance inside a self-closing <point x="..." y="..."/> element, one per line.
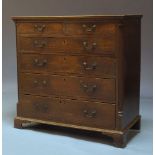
<point x="81" y="65"/>
<point x="81" y="45"/>
<point x="70" y="86"/>
<point x="76" y="112"/>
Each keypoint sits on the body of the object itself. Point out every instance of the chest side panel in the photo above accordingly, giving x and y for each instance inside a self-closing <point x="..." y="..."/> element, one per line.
<point x="129" y="70"/>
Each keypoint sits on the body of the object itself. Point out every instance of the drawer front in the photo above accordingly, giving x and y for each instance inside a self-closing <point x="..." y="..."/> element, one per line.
<point x="70" y="86"/>
<point x="39" y="28"/>
<point x="80" y="45"/>
<point x="82" y="65"/>
<point x="76" y="112"/>
<point x="91" y="28"/>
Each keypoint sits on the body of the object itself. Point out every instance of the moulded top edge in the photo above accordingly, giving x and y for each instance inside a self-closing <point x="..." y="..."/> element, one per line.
<point x="15" y="18"/>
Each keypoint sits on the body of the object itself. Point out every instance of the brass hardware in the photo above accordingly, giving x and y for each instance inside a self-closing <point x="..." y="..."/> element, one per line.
<point x="40" y="63"/>
<point x="120" y="113"/>
<point x="91" y="67"/>
<point x="89" y="47"/>
<point x="89" y="28"/>
<point x="35" y="82"/>
<point x="39" y="44"/>
<point x="89" y="114"/>
<point x="42" y="83"/>
<point x="39" y="28"/>
<point x="88" y="88"/>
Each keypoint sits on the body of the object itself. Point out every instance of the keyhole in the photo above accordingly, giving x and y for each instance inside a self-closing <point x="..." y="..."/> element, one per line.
<point x="62" y="102"/>
<point x="64" y="59"/>
<point x="64" y="79"/>
<point x="64" y="42"/>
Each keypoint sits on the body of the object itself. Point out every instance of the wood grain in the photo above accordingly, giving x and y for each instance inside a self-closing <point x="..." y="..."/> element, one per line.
<point x="102" y="90"/>
<point x="69" y="64"/>
<point x="81" y="72"/>
<point x="68" y="111"/>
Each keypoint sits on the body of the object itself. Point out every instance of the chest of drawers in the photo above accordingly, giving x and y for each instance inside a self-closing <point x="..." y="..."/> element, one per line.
<point x="80" y="72"/>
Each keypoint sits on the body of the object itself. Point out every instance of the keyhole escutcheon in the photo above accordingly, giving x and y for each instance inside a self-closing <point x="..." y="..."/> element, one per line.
<point x="64" y="42"/>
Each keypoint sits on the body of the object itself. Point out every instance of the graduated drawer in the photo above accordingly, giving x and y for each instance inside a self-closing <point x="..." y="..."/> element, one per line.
<point x="91" y="28"/>
<point x="81" y="45"/>
<point x="70" y="86"/>
<point x="39" y="28"/>
<point x="55" y="64"/>
<point x="75" y="112"/>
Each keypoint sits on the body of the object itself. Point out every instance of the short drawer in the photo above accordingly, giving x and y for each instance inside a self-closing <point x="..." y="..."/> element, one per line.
<point x="80" y="45"/>
<point x="55" y="64"/>
<point x="75" y="112"/>
<point x="91" y="28"/>
<point x="71" y="86"/>
<point x="39" y="28"/>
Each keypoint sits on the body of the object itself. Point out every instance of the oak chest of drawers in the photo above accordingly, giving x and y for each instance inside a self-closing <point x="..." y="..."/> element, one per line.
<point x="81" y="72"/>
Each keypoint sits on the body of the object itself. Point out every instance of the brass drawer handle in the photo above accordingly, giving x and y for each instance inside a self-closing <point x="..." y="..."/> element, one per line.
<point x="89" y="47"/>
<point x="39" y="44"/>
<point x="89" y="114"/>
<point x="40" y="63"/>
<point x="89" y="28"/>
<point x="44" y="82"/>
<point x="39" y="28"/>
<point x="41" y="83"/>
<point x="35" y="82"/>
<point x="91" y="67"/>
<point x="88" y="88"/>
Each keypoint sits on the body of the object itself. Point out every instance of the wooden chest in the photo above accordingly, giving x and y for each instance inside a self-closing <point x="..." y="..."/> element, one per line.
<point x="81" y="72"/>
